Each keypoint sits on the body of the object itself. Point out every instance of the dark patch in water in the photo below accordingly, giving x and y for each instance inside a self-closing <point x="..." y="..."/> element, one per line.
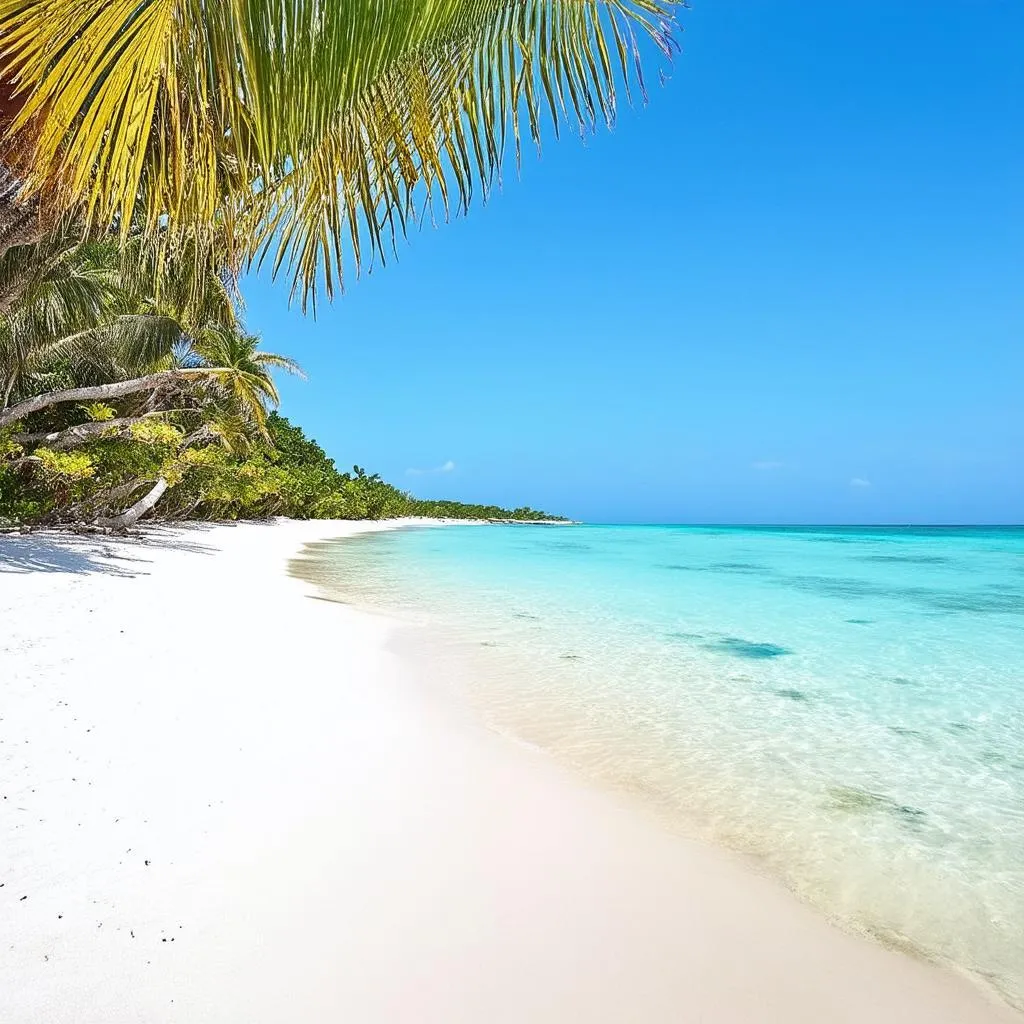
<point x="997" y="598"/>
<point x="994" y="757"/>
<point x="902" y="681"/>
<point x="685" y="636"/>
<point x="569" y="657"/>
<point x="797" y="695"/>
<point x="959" y="727"/>
<point x="529" y="616"/>
<point x="739" y="568"/>
<point x="749" y="649"/>
<point x="908" y="815"/>
<point x="856" y="800"/>
<point x="903" y="731"/>
<point x="999" y="601"/>
<point x="860" y="622"/>
<point x="489" y="643"/>
<point x="837" y="586"/>
<point x="910" y="559"/>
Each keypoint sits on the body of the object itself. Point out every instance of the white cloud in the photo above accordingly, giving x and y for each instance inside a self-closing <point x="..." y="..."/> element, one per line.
<point x="859" y="481"/>
<point x="447" y="467"/>
<point x="764" y="465"/>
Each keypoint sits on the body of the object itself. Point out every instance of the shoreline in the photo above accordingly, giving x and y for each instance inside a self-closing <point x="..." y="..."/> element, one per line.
<point x="256" y="813"/>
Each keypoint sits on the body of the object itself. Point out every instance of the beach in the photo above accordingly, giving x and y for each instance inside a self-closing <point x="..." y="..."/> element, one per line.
<point x="225" y="799"/>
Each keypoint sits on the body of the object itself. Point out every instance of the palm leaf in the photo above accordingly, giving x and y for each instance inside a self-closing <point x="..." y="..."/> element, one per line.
<point x="298" y="130"/>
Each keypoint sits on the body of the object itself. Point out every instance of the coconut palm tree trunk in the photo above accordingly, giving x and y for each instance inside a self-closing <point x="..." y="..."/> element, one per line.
<point x="99" y="393"/>
<point x="130" y="516"/>
<point x="19" y="221"/>
<point x="15" y="288"/>
<point x="74" y="437"/>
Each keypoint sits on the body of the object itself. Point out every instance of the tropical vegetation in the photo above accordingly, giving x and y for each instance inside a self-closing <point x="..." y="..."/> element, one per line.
<point x="118" y="403"/>
<point x="153" y="150"/>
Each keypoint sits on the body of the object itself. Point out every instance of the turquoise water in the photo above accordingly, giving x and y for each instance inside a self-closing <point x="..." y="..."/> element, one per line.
<point x="846" y="705"/>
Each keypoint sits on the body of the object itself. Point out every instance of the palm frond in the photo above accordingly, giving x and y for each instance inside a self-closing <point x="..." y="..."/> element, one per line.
<point x="298" y="130"/>
<point x="277" y="362"/>
<point x="240" y="372"/>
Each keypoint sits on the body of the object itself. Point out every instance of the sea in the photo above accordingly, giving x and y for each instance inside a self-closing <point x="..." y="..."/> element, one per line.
<point x="844" y="706"/>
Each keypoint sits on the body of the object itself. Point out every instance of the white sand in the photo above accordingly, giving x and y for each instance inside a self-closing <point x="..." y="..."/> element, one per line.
<point x="192" y="750"/>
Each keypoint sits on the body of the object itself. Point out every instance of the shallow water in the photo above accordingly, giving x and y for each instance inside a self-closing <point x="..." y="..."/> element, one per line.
<point x="846" y="704"/>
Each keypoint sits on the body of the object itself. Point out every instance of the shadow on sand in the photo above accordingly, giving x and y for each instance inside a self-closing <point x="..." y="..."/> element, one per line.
<point x="79" y="554"/>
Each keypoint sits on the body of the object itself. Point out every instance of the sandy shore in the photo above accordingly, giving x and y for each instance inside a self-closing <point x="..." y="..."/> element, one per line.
<point x="223" y="802"/>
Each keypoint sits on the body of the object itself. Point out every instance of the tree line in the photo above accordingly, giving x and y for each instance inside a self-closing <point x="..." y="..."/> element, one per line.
<point x="131" y="389"/>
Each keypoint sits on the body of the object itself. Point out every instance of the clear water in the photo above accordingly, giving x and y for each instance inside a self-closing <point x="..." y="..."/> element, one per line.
<point x="845" y="704"/>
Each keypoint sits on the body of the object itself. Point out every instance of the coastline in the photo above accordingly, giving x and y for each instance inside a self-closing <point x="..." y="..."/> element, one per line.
<point x="208" y="823"/>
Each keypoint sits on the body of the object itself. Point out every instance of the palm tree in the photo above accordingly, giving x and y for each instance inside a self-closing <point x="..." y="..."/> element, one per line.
<point x="213" y="379"/>
<point x="232" y="396"/>
<point x="89" y="326"/>
<point x="87" y="323"/>
<point x="303" y="131"/>
<point x="48" y="290"/>
<point x="241" y="371"/>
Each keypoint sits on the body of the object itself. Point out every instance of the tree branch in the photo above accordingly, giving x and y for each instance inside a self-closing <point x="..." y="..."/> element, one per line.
<point x="98" y="393"/>
<point x="130" y="516"/>
<point x="72" y="437"/>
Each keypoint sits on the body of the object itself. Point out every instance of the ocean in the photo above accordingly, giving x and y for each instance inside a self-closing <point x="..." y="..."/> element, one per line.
<point x="845" y="706"/>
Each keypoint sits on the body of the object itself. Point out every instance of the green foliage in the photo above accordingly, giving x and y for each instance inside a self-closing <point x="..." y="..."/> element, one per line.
<point x="287" y="475"/>
<point x="18" y="503"/>
<point x="314" y="489"/>
<point x="9" y="448"/>
<point x="294" y="448"/>
<point x="206" y="428"/>
<point x="66" y="466"/>
<point x="157" y="434"/>
<point x="176" y="373"/>
<point x="99" y="412"/>
<point x="459" y="510"/>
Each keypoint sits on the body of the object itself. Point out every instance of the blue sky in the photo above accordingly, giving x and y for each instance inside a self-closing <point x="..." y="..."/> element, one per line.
<point x="791" y="289"/>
